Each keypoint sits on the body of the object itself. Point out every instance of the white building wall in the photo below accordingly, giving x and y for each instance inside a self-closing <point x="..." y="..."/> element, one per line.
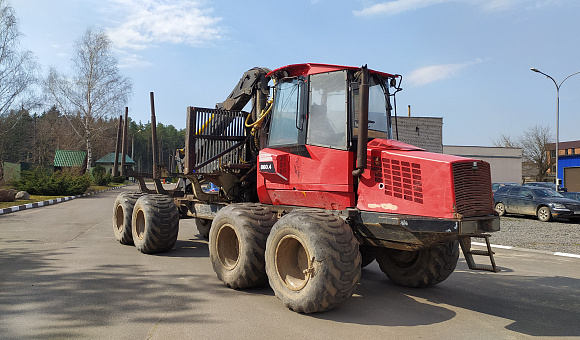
<point x="505" y="163"/>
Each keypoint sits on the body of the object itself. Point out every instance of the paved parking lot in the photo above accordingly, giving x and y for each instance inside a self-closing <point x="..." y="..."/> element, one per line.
<point x="63" y="275"/>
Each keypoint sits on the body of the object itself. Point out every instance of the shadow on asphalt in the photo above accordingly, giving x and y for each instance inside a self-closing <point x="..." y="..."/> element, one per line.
<point x="538" y="306"/>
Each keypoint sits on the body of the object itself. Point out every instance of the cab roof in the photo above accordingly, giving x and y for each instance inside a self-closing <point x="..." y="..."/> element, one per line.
<point x="296" y="70"/>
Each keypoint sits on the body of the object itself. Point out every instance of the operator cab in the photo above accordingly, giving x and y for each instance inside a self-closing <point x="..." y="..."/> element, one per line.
<point x="311" y="154"/>
<point x="317" y="104"/>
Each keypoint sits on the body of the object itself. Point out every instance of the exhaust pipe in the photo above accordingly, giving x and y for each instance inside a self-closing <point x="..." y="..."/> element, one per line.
<point x="363" y="123"/>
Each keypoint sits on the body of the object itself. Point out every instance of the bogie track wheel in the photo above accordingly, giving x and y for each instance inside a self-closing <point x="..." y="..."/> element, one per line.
<point x="155" y="223"/>
<point x="237" y="241"/>
<point x="123" y="215"/>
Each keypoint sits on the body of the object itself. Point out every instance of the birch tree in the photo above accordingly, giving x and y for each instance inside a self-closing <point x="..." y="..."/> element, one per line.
<point x="17" y="67"/>
<point x="94" y="90"/>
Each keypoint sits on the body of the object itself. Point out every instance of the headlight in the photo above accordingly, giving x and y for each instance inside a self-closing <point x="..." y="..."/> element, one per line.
<point x="558" y="206"/>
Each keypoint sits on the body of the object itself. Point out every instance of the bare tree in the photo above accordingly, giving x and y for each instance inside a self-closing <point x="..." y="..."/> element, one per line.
<point x="17" y="74"/>
<point x="533" y="143"/>
<point x="96" y="89"/>
<point x="17" y="67"/>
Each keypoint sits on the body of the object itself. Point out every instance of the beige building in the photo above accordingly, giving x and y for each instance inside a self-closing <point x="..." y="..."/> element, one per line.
<point x="427" y="133"/>
<point x="505" y="163"/>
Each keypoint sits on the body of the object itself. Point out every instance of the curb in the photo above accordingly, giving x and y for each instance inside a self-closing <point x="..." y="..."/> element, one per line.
<point x="528" y="250"/>
<point x="52" y="201"/>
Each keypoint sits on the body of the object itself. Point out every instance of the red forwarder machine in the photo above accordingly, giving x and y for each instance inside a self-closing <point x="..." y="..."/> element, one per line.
<point x="312" y="187"/>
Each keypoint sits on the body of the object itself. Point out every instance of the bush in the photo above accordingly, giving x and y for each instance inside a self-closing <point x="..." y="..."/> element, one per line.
<point x="59" y="183"/>
<point x="100" y="175"/>
<point x="118" y="179"/>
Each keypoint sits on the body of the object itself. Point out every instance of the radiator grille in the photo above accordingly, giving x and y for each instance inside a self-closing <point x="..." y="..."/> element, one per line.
<point x="400" y="179"/>
<point x="573" y="207"/>
<point x="472" y="183"/>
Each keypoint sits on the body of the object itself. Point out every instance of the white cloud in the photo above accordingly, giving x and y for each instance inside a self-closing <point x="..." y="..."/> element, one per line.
<point x="146" y="23"/>
<point x="399" y="6"/>
<point x="429" y="74"/>
<point x="131" y="60"/>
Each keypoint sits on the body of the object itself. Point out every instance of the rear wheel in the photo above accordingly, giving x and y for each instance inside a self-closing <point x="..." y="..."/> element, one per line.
<point x="237" y="240"/>
<point x="544" y="214"/>
<point x="500" y="209"/>
<point x="123" y="215"/>
<point x="155" y="223"/>
<point x="312" y="260"/>
<point x="420" y="268"/>
<point x="203" y="225"/>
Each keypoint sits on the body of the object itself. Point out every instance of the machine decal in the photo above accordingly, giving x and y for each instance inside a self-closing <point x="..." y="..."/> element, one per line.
<point x="267" y="167"/>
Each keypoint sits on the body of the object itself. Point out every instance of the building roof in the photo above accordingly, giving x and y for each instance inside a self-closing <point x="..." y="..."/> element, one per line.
<point x="110" y="159"/>
<point x="564" y="145"/>
<point x="69" y="158"/>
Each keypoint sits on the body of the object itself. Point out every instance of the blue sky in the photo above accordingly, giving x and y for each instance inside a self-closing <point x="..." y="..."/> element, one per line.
<point x="467" y="61"/>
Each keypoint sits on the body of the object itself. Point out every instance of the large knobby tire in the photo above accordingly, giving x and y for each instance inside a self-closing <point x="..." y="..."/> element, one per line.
<point x="155" y="223"/>
<point x="237" y="241"/>
<point x="421" y="268"/>
<point x="123" y="215"/>
<point x="544" y="214"/>
<point x="203" y="226"/>
<point x="500" y="209"/>
<point x="312" y="260"/>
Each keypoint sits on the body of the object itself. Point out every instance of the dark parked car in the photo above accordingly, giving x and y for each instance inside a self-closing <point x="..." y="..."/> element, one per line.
<point x="546" y="185"/>
<point x="544" y="203"/>
<point x="497" y="185"/>
<point x="572" y="195"/>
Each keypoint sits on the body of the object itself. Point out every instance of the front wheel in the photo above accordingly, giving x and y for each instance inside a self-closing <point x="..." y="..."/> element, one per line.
<point x="420" y="268"/>
<point x="312" y="260"/>
<point x="544" y="214"/>
<point x="500" y="209"/>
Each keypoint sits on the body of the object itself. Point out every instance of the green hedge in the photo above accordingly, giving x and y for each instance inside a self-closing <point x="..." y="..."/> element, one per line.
<point x="100" y="175"/>
<point x="59" y="183"/>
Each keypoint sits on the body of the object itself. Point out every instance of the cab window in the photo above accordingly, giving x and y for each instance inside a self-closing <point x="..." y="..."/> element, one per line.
<point x="284" y="130"/>
<point x="327" y="110"/>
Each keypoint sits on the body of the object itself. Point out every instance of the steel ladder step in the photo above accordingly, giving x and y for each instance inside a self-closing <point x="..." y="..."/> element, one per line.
<point x="468" y="253"/>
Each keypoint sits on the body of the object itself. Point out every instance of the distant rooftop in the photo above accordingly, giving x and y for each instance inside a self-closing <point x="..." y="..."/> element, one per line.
<point x="110" y="159"/>
<point x="70" y="158"/>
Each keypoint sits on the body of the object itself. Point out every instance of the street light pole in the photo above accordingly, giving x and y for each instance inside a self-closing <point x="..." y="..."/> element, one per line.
<point x="557" y="114"/>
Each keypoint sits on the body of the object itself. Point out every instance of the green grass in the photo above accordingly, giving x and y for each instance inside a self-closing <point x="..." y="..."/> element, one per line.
<point x="39" y="198"/>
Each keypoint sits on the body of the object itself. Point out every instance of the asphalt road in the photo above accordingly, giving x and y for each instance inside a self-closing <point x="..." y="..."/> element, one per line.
<point x="63" y="275"/>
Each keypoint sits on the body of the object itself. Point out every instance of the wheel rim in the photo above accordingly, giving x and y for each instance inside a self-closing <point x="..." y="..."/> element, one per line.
<point x="140" y="224"/>
<point x="499" y="208"/>
<point x="119" y="218"/>
<point x="403" y="258"/>
<point x="544" y="214"/>
<point x="292" y="262"/>
<point x="228" y="247"/>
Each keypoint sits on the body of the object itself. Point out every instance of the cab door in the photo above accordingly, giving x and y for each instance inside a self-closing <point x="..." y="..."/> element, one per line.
<point x="307" y="162"/>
